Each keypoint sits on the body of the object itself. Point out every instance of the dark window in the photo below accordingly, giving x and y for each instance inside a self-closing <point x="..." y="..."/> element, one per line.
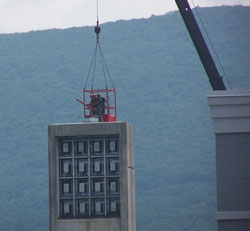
<point x="97" y="146"/>
<point x="98" y="207"/>
<point x="97" y="187"/>
<point x="66" y="168"/>
<point x="82" y="208"/>
<point x="112" y="145"/>
<point x="113" y="207"/>
<point x="66" y="208"/>
<point x="97" y="167"/>
<point x="81" y="167"/>
<point x="66" y="189"/>
<point x="113" y="186"/>
<point x="82" y="187"/>
<point x="113" y="166"/>
<point x="81" y="147"/>
<point x="65" y="148"/>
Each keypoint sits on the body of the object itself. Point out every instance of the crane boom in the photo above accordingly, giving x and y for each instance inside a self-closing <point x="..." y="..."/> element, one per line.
<point x="214" y="77"/>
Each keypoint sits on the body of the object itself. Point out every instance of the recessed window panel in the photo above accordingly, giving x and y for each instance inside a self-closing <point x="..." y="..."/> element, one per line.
<point x="66" y="189"/>
<point x="65" y="147"/>
<point x="112" y="145"/>
<point x="113" y="186"/>
<point x="81" y="147"/>
<point x="98" y="207"/>
<point x="66" y="208"/>
<point x="66" y="167"/>
<point x="81" y="187"/>
<point x="97" y="147"/>
<point x="81" y="167"/>
<point x="113" y="166"/>
<point x="97" y="167"/>
<point x="113" y="207"/>
<point x="97" y="187"/>
<point x="82" y="207"/>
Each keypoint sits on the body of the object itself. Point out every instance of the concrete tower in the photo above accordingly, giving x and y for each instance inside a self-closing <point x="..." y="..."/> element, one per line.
<point x="91" y="177"/>
<point x="230" y="111"/>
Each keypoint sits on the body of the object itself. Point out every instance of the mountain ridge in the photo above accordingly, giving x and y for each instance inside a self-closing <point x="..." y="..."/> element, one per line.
<point x="161" y="88"/>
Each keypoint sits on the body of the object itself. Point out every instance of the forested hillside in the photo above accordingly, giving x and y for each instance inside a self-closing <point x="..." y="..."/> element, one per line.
<point x="161" y="87"/>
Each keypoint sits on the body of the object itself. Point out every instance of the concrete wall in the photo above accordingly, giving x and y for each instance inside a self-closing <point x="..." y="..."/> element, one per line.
<point x="230" y="111"/>
<point x="126" y="222"/>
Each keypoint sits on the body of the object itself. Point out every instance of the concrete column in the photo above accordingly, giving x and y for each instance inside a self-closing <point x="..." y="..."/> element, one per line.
<point x="125" y="221"/>
<point x="230" y="111"/>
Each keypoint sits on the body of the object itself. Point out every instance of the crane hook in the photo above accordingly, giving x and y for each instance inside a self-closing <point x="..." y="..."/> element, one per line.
<point x="97" y="28"/>
<point x="97" y="31"/>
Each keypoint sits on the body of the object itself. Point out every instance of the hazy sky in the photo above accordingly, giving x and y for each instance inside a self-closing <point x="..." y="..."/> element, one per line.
<point x="26" y="15"/>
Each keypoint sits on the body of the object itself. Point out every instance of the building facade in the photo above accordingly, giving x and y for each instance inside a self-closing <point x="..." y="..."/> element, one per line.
<point x="230" y="111"/>
<point x="91" y="177"/>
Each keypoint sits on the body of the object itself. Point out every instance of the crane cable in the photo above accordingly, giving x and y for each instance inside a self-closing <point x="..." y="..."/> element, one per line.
<point x="97" y="11"/>
<point x="102" y="58"/>
<point x="211" y="43"/>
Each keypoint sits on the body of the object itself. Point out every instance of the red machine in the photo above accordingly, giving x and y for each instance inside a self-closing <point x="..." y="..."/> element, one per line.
<point x="91" y="111"/>
<point x="99" y="103"/>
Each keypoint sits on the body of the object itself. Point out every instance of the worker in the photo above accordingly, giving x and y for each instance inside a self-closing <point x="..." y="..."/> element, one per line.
<point x="100" y="106"/>
<point x="93" y="104"/>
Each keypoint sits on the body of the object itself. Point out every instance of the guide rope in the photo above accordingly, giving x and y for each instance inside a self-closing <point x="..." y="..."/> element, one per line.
<point x="94" y="55"/>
